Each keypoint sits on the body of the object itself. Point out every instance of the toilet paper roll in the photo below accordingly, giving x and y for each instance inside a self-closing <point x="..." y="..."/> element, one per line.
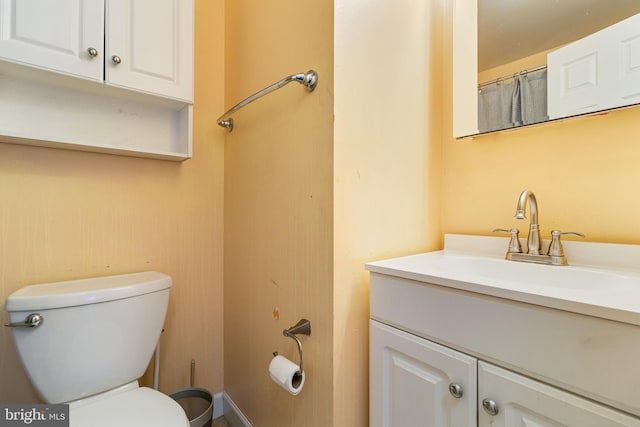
<point x="286" y="374"/>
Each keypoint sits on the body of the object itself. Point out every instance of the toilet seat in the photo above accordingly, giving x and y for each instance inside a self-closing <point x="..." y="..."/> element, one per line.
<point x="139" y="407"/>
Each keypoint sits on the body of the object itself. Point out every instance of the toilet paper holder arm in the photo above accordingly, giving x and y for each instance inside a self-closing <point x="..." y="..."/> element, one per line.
<point x="303" y="327"/>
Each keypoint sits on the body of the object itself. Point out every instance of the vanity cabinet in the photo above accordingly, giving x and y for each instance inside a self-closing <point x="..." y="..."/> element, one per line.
<point x="410" y="380"/>
<point x="113" y="76"/>
<point x="417" y="382"/>
<point x="142" y="45"/>
<point x="536" y="366"/>
<point x="521" y="401"/>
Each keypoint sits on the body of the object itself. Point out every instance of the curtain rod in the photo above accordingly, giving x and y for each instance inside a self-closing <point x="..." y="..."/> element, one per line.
<point x="512" y="76"/>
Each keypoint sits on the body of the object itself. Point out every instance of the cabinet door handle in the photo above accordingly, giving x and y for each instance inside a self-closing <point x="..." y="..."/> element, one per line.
<point x="93" y="52"/>
<point x="456" y="390"/>
<point x="490" y="407"/>
<point x="116" y="59"/>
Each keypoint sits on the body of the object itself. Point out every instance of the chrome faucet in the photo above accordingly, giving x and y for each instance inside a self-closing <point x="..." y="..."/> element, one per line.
<point x="555" y="254"/>
<point x="534" y="242"/>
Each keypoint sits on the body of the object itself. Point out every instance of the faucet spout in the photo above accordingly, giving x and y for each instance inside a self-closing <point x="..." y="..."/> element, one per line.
<point x="534" y="242"/>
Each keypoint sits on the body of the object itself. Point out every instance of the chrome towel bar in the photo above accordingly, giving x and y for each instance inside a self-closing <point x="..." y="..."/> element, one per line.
<point x="308" y="80"/>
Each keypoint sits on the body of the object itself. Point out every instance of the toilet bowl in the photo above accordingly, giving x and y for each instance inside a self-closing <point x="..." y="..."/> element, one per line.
<point x="91" y="341"/>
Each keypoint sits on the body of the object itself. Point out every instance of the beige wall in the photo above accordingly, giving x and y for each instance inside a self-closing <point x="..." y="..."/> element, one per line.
<point x="278" y="208"/>
<point x="582" y="170"/>
<point x="67" y="215"/>
<point x="307" y="202"/>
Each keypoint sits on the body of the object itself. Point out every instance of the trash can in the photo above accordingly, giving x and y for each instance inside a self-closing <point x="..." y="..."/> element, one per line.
<point x="197" y="404"/>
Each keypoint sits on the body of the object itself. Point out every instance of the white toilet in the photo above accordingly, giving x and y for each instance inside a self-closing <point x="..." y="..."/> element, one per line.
<point x="93" y="341"/>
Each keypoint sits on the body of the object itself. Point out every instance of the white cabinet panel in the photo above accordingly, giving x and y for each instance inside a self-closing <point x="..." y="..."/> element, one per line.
<point x="524" y="402"/>
<point x="410" y="380"/>
<point x="54" y="35"/>
<point x="153" y="40"/>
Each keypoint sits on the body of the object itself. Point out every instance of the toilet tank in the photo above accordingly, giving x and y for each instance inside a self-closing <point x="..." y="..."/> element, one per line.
<point x="96" y="334"/>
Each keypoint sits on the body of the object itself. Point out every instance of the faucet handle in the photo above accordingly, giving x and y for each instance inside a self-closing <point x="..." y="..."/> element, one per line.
<point x="514" y="243"/>
<point x="555" y="247"/>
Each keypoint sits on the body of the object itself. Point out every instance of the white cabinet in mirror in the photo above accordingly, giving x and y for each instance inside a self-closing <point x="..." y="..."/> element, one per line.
<point x="500" y="41"/>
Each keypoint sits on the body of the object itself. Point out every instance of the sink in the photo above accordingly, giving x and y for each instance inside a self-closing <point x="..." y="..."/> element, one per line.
<point x="603" y="280"/>
<point x="497" y="270"/>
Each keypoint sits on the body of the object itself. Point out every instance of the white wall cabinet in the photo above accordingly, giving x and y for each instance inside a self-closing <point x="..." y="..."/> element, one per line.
<point x="149" y="46"/>
<point x="535" y="366"/>
<point x="108" y="71"/>
<point x="144" y="45"/>
<point x="54" y="35"/>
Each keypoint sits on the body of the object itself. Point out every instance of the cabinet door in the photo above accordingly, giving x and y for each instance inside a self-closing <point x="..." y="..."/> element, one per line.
<point x="521" y="401"/>
<point x="410" y="379"/>
<point x="597" y="72"/>
<point x="54" y="35"/>
<point x="150" y="46"/>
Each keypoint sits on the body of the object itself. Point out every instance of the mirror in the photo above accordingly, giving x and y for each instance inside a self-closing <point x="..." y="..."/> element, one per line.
<point x="507" y="37"/>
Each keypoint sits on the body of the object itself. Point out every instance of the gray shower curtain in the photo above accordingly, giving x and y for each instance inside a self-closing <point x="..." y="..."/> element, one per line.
<point x="519" y="102"/>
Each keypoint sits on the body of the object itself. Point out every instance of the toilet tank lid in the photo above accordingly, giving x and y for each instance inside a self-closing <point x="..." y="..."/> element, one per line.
<point x="86" y="291"/>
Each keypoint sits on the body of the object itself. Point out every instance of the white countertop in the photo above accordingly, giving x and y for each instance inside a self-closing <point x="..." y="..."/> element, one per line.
<point x="603" y="279"/>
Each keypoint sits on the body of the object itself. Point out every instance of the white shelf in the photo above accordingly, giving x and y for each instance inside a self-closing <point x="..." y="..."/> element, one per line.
<point x="43" y="109"/>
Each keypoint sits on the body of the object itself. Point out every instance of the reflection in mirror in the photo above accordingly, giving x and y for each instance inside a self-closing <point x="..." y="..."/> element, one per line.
<point x="511" y="30"/>
<point x="513" y="41"/>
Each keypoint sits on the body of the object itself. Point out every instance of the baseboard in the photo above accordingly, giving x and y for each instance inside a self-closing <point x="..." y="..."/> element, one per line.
<point x="218" y="405"/>
<point x="233" y="414"/>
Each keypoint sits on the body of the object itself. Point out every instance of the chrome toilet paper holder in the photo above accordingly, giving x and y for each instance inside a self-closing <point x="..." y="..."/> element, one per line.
<point x="303" y="327"/>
